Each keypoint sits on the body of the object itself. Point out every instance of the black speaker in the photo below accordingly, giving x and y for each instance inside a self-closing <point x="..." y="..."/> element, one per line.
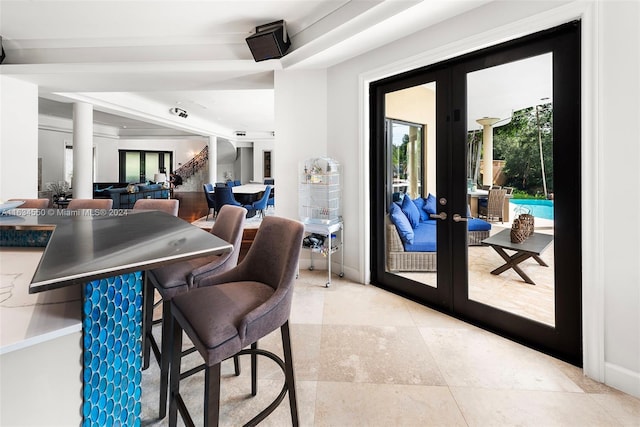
<point x="2" y="55"/>
<point x="270" y="41"/>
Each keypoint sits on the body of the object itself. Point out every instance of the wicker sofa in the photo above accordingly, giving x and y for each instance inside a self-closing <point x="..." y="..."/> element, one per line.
<point x="419" y="254"/>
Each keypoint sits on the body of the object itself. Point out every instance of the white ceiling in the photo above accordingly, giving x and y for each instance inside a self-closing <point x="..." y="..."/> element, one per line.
<point x="134" y="60"/>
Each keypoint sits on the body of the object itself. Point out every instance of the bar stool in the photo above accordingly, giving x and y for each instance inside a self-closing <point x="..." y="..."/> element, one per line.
<point x="179" y="278"/>
<point x="170" y="206"/>
<point x="90" y="204"/>
<point x="32" y="203"/>
<point x="235" y="309"/>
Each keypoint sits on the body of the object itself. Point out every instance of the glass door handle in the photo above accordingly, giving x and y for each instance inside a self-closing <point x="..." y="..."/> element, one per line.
<point x="441" y="215"/>
<point x="458" y="218"/>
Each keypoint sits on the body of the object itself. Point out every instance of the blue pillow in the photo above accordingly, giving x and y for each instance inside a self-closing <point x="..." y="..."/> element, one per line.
<point x="420" y="202"/>
<point x="430" y="205"/>
<point x="399" y="219"/>
<point x="411" y="211"/>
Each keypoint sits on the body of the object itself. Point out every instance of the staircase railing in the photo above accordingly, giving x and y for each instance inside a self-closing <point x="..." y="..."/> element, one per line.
<point x="194" y="165"/>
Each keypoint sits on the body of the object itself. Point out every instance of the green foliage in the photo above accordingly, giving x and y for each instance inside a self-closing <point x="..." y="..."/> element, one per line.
<point x="517" y="143"/>
<point x="399" y="159"/>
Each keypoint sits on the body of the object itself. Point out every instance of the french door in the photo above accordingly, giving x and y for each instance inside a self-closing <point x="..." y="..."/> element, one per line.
<point x="140" y="166"/>
<point x="442" y="137"/>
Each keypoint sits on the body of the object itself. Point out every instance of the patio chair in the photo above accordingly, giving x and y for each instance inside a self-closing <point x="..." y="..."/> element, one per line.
<point x="495" y="203"/>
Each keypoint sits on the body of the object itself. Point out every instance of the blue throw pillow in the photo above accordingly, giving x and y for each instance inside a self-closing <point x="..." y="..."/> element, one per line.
<point x="430" y="205"/>
<point x="399" y="219"/>
<point x="420" y="202"/>
<point x="411" y="211"/>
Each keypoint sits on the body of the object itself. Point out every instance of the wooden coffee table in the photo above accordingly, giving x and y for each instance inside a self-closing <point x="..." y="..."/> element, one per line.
<point x="530" y="248"/>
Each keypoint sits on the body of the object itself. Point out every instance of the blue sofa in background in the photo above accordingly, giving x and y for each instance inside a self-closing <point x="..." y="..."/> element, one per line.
<point x="411" y="234"/>
<point x="123" y="199"/>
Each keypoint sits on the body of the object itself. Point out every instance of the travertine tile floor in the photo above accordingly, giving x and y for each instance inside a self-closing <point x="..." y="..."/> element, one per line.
<point x="366" y="357"/>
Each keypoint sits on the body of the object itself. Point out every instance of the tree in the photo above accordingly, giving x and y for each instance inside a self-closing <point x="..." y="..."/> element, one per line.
<point x="517" y="143"/>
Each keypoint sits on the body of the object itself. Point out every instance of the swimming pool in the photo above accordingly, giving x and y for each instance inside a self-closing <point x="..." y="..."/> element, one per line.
<point x="537" y="207"/>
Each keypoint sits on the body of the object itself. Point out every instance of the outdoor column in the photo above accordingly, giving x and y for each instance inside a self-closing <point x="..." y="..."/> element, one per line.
<point x="487" y="148"/>
<point x="213" y="159"/>
<point x="82" y="180"/>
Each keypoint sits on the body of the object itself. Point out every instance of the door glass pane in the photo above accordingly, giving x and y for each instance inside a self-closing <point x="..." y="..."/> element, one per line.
<point x="410" y="141"/>
<point x="151" y="165"/>
<point x="510" y="147"/>
<point x="132" y="166"/>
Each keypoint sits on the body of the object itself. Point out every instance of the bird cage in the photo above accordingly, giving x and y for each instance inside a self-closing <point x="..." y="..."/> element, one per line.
<point x="319" y="191"/>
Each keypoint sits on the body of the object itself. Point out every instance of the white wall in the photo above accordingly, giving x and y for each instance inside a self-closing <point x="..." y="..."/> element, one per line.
<point x="612" y="331"/>
<point x="619" y="130"/>
<point x="18" y="139"/>
<point x="301" y="129"/>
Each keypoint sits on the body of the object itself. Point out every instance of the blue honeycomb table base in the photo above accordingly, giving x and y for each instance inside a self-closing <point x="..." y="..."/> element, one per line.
<point x="112" y="351"/>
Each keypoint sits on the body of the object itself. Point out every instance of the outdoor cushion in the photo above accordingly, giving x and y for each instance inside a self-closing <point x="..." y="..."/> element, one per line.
<point x="399" y="219"/>
<point x="420" y="202"/>
<point x="476" y="224"/>
<point x="425" y="238"/>
<point x="430" y="205"/>
<point x="411" y="211"/>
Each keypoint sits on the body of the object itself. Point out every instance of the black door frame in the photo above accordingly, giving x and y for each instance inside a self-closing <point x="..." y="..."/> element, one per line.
<point x="565" y="339"/>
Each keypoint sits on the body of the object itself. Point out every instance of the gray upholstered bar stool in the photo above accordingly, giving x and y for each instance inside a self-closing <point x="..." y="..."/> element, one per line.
<point x="90" y="204"/>
<point x="170" y="206"/>
<point x="33" y="203"/>
<point x="179" y="278"/>
<point x="233" y="310"/>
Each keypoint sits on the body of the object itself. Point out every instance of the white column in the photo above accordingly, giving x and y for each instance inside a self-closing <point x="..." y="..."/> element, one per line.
<point x="487" y="148"/>
<point x="82" y="181"/>
<point x="213" y="159"/>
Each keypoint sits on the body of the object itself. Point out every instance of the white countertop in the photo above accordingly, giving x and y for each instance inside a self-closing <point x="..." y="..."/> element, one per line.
<point x="28" y="319"/>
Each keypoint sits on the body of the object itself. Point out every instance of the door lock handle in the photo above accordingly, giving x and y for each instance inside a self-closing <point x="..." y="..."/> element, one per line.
<point x="441" y="215"/>
<point x="458" y="218"/>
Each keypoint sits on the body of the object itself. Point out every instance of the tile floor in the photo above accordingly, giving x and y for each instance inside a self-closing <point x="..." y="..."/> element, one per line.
<point x="366" y="357"/>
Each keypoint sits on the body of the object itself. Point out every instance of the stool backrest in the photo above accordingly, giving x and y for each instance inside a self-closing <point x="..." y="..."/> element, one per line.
<point x="170" y="206"/>
<point x="90" y="204"/>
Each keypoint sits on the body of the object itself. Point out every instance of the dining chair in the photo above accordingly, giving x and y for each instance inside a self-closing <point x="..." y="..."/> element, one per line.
<point x="90" y="204"/>
<point x="182" y="277"/>
<point x="224" y="196"/>
<point x="260" y="205"/>
<point x="170" y="206"/>
<point x="228" y="313"/>
<point x="209" y="194"/>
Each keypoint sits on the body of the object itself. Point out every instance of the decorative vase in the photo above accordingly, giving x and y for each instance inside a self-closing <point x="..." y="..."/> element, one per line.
<point x="519" y="232"/>
<point x="527" y="221"/>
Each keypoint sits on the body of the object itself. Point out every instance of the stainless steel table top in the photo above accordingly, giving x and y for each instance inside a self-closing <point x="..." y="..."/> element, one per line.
<point x="89" y="245"/>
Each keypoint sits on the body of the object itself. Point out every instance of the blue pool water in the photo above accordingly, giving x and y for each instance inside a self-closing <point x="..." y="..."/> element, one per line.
<point x="536" y="207"/>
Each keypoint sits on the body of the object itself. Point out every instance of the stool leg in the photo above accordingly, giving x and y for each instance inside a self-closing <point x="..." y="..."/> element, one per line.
<point x="236" y="365"/>
<point x="165" y="357"/>
<point x="212" y="395"/>
<point x="175" y="373"/>
<point x="254" y="370"/>
<point x="147" y="321"/>
<point x="288" y="374"/>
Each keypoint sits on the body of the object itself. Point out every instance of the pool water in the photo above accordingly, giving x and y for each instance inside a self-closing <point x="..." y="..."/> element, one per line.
<point x="536" y="207"/>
